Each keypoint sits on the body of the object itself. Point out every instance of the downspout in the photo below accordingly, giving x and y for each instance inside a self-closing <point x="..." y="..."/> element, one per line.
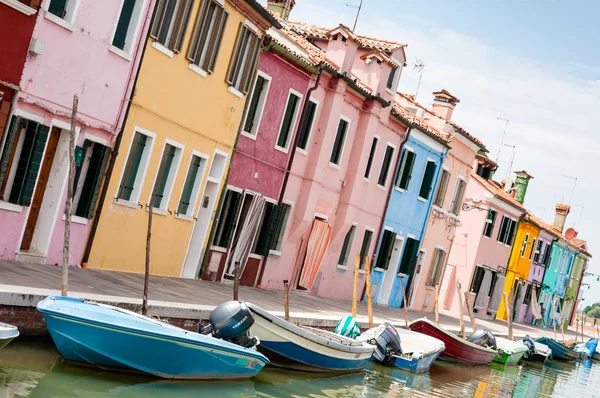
<point x="286" y="176"/>
<point x="115" y="152"/>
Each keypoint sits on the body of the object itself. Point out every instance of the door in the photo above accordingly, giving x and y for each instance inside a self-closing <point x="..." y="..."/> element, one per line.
<point x="40" y="188"/>
<point x="390" y="274"/>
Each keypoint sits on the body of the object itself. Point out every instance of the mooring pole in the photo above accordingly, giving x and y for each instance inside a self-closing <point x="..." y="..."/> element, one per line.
<point x="460" y="310"/>
<point x="286" y="299"/>
<point x="69" y="205"/>
<point x="405" y="304"/>
<point x="369" y="298"/>
<point x="354" y="291"/>
<point x="437" y="298"/>
<point x="147" y="267"/>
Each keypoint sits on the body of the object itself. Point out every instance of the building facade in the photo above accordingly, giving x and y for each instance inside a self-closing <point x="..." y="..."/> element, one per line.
<point x="541" y="261"/>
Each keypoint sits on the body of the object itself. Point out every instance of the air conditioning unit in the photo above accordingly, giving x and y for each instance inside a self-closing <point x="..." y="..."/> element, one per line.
<point x="36" y="46"/>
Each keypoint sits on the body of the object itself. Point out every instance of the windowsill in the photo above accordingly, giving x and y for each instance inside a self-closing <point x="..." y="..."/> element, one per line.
<point x="334" y="166"/>
<point x="17" y="5"/>
<point x="195" y="68"/>
<point x="438" y="208"/>
<point x="485" y="237"/>
<point x="120" y="53"/>
<point x="184" y="217"/>
<point x="275" y="253"/>
<point x="248" y="135"/>
<point x="428" y="287"/>
<point x="301" y="151"/>
<point x="399" y="189"/>
<point x="10" y="206"/>
<point x="381" y="270"/>
<point x="382" y="187"/>
<point x="59" y="21"/>
<point x="361" y="271"/>
<point x="342" y="267"/>
<point x="126" y="203"/>
<point x="280" y="149"/>
<point x="255" y="256"/>
<point x="235" y="92"/>
<point x="218" y="249"/>
<point x="422" y="199"/>
<point x="76" y="219"/>
<point x="160" y="212"/>
<point x="162" y="49"/>
<point x="367" y="180"/>
<point x="389" y="91"/>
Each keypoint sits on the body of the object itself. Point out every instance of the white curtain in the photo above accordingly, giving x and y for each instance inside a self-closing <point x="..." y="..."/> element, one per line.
<point x="484" y="290"/>
<point x="497" y="294"/>
<point x="536" y="311"/>
<point x="242" y="248"/>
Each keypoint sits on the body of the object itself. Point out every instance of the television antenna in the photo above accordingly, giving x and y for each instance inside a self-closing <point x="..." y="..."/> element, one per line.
<point x="512" y="159"/>
<point x="574" y="185"/>
<point x="503" y="135"/>
<point x="359" y="8"/>
<point x="419" y="67"/>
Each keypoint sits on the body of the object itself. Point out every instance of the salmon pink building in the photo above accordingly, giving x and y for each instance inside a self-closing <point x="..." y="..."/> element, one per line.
<point x="84" y="48"/>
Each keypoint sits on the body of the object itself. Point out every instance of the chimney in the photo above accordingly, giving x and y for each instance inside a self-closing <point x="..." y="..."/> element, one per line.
<point x="562" y="211"/>
<point x="521" y="184"/>
<point x="444" y="103"/>
<point x="281" y="8"/>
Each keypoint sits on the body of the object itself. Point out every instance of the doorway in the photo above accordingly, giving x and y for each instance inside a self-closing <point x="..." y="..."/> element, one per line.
<point x="390" y="274"/>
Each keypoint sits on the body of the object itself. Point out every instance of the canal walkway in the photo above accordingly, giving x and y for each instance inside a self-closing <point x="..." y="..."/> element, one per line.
<point x="24" y="285"/>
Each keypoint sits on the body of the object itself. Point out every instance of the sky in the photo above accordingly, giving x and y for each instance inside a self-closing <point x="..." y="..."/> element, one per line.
<point x="533" y="62"/>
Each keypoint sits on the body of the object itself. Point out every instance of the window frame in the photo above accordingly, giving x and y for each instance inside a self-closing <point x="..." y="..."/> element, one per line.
<point x="491" y="225"/>
<point x="261" y="105"/>
<point x="346" y="257"/>
<point x="172" y="44"/>
<point x="299" y="149"/>
<point x="280" y="237"/>
<point x="524" y="245"/>
<point x="144" y="165"/>
<point x="196" y="34"/>
<point x="140" y="6"/>
<point x="67" y="23"/>
<point x="433" y="269"/>
<point x="293" y="123"/>
<point x="389" y="166"/>
<point x="174" y="170"/>
<point x="195" y="194"/>
<point x="371" y="158"/>
<point x="455" y="196"/>
<point x="402" y="168"/>
<point x="442" y="189"/>
<point x="232" y="76"/>
<point x="533" y="248"/>
<point x="435" y="165"/>
<point x="363" y="256"/>
<point x="343" y="143"/>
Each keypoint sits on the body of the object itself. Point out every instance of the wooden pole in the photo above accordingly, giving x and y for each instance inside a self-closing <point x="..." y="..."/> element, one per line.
<point x="369" y="298"/>
<point x="69" y="205"/>
<point x="236" y="281"/>
<point x="354" y="291"/>
<point x="286" y="299"/>
<point x="471" y="316"/>
<point x="460" y="311"/>
<point x="147" y="268"/>
<point x="405" y="304"/>
<point x="437" y="301"/>
<point x="508" y="315"/>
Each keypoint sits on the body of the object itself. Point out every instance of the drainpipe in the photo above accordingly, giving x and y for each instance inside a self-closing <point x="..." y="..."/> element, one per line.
<point x="286" y="176"/>
<point x="115" y="151"/>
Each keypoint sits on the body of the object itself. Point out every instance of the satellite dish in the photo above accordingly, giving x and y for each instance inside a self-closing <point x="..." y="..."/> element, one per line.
<point x="476" y="199"/>
<point x="570" y="233"/>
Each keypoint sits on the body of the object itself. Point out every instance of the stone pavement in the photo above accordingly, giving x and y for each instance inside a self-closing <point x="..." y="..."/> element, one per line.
<point x="23" y="284"/>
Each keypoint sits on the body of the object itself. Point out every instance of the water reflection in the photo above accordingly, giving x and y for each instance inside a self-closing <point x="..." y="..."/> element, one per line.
<point x="34" y="369"/>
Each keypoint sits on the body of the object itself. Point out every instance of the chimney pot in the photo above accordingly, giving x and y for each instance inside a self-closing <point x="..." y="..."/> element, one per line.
<point x="560" y="219"/>
<point x="444" y="104"/>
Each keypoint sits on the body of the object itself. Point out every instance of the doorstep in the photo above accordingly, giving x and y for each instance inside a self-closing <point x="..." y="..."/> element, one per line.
<point x="33" y="258"/>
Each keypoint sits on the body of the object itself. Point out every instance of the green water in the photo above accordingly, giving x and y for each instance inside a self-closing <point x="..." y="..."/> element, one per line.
<point x="33" y="368"/>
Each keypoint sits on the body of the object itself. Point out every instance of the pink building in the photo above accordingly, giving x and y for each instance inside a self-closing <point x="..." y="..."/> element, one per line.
<point x="446" y="211"/>
<point x="482" y="244"/>
<point x="339" y="184"/>
<point x="78" y="47"/>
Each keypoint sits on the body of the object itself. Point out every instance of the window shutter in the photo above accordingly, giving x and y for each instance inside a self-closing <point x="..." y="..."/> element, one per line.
<point x="58" y="8"/>
<point x="163" y="175"/>
<point x="386" y="249"/>
<point x="29" y="167"/>
<point x="104" y="156"/>
<point x="180" y="25"/>
<point x="391" y="77"/>
<point x="165" y="23"/>
<point x="306" y="125"/>
<point x="123" y="24"/>
<point x="371" y="157"/>
<point x="188" y="187"/>
<point x="158" y="18"/>
<point x="251" y="116"/>
<point x="8" y="152"/>
<point x="406" y="169"/>
<point x="427" y="180"/>
<point x="232" y="222"/>
<point x="288" y="117"/>
<point x="215" y="42"/>
<point x="132" y="166"/>
<point x="336" y="153"/>
<point x="238" y="55"/>
<point x="275" y="219"/>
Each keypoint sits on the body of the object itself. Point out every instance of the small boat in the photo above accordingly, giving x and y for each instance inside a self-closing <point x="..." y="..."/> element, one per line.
<point x="588" y="350"/>
<point x="7" y="334"/>
<point x="536" y="352"/>
<point x="117" y="339"/>
<point x="509" y="352"/>
<point x="404" y="349"/>
<point x="307" y="349"/>
<point x="559" y="351"/>
<point x="457" y="349"/>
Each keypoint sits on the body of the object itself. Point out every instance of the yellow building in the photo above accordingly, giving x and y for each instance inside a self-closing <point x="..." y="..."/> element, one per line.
<point x="179" y="134"/>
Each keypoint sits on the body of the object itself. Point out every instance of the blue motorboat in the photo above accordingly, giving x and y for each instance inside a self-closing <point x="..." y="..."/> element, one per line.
<point x="587" y="350"/>
<point x="7" y="334"/>
<point x="113" y="338"/>
<point x="559" y="351"/>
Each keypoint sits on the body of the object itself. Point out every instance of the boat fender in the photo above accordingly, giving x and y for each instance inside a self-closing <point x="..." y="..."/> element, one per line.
<point x="484" y="338"/>
<point x="348" y="327"/>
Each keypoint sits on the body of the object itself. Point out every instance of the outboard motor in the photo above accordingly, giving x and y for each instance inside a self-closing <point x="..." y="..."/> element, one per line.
<point x="530" y="344"/>
<point x="484" y="338"/>
<point x="231" y="321"/>
<point x="387" y="343"/>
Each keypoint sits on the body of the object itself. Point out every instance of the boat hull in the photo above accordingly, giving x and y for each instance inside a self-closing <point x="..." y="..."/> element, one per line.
<point x="457" y="349"/>
<point x="509" y="352"/>
<point x="559" y="351"/>
<point x="512" y="358"/>
<point x="7" y="334"/>
<point x="294" y="348"/>
<point x="116" y="346"/>
<point x="417" y="365"/>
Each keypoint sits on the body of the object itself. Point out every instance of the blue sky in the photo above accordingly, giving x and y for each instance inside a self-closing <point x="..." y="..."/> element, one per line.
<point x="534" y="62"/>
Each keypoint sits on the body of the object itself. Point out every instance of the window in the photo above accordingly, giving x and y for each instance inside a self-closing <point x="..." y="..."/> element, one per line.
<point x="385" y="166"/>
<point x="392" y="78"/>
<point x="289" y="120"/>
<point x="347" y="246"/>
<point x="227" y="219"/>
<point x="127" y="25"/>
<point x="139" y="153"/>
<point x="524" y="245"/>
<point x="437" y="266"/>
<point x="405" y="170"/>
<point x="307" y="125"/>
<point x="208" y="32"/>
<point x="489" y="223"/>
<point x="272" y="228"/>
<point x="527" y="298"/>
<point x="243" y="59"/>
<point x="191" y="186"/>
<point x="170" y="22"/>
<point x="371" y="156"/>
<point x="558" y="260"/>
<point x="507" y="231"/>
<point x="409" y="257"/>
<point x="477" y="279"/>
<point x="90" y="167"/>
<point x="457" y="198"/>
<point x="427" y="183"/>
<point x="64" y="9"/>
<point x="548" y="254"/>
<point x="385" y="249"/>
<point x="533" y="248"/>
<point x="338" y="144"/>
<point x="21" y="160"/>
<point x="484" y="172"/>
<point x="165" y="176"/>
<point x="440" y="195"/>
<point x="257" y="104"/>
<point x="282" y="216"/>
<point x="364" y="248"/>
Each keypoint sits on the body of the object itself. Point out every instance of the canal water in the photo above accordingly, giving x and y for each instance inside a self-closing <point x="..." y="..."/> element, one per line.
<point x="33" y="368"/>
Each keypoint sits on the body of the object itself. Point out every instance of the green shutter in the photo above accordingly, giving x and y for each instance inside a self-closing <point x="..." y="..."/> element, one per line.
<point x="94" y="202"/>
<point x="286" y="126"/>
<point x="267" y="240"/>
<point x="29" y="163"/>
<point x="215" y="41"/>
<point x="409" y="257"/>
<point x="371" y="157"/>
<point x="364" y="249"/>
<point x="385" y="250"/>
<point x="306" y="125"/>
<point x="163" y="175"/>
<point x="232" y="219"/>
<point x="344" y="253"/>
<point x="251" y="116"/>
<point x="188" y="186"/>
<point x="406" y="171"/>
<point x="123" y="24"/>
<point x="93" y="181"/>
<point x="132" y="167"/>
<point x="9" y="146"/>
<point x="427" y="180"/>
<point x="165" y="24"/>
<point x="336" y="153"/>
<point x="58" y="8"/>
<point x="385" y="167"/>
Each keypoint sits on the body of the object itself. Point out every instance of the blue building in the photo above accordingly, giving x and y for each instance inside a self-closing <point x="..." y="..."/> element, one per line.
<point x="409" y="206"/>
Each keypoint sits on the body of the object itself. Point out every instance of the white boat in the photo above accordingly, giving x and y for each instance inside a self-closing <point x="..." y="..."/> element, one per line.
<point x="307" y="349"/>
<point x="7" y="334"/>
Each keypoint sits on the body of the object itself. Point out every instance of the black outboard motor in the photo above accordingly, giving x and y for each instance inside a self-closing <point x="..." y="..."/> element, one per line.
<point x="528" y="342"/>
<point x="388" y="345"/>
<point x="231" y="321"/>
<point x="484" y="338"/>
